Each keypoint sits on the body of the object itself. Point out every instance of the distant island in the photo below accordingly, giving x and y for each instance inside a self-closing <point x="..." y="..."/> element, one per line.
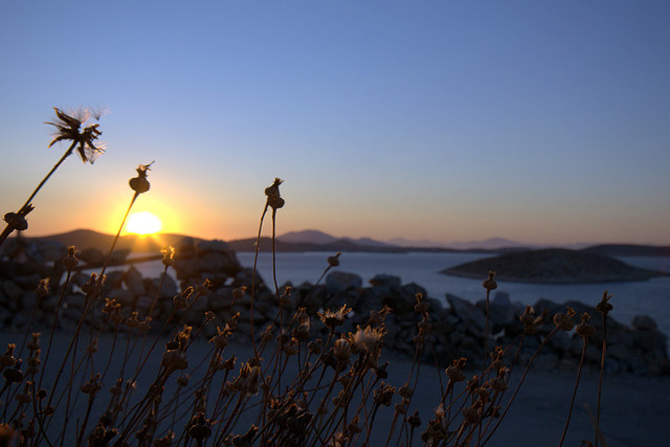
<point x="553" y="266"/>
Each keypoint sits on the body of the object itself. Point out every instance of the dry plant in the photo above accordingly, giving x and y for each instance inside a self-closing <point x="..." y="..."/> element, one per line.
<point x="68" y="128"/>
<point x="307" y="381"/>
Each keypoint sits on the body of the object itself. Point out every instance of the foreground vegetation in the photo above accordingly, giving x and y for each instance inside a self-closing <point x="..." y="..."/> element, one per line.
<point x="306" y="381"/>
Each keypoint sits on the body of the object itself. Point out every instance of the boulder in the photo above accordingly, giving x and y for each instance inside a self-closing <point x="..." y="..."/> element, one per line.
<point x="337" y="282"/>
<point x="386" y="281"/>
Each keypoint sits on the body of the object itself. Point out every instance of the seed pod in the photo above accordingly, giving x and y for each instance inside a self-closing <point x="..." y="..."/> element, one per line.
<point x="140" y="184"/>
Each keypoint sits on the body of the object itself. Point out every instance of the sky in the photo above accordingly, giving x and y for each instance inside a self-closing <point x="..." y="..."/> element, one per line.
<point x="544" y="122"/>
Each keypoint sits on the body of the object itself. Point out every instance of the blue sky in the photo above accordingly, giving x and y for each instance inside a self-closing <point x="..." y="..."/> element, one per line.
<point x="543" y="122"/>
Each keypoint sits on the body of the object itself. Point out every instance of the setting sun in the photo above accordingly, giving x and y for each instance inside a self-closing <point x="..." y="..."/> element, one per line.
<point x="143" y="223"/>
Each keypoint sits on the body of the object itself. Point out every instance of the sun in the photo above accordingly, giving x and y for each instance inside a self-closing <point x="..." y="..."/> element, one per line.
<point x="143" y="223"/>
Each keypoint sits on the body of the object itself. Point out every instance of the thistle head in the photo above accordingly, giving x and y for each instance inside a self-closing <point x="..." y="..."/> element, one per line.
<point x="74" y="128"/>
<point x="272" y="192"/>
<point x="140" y="184"/>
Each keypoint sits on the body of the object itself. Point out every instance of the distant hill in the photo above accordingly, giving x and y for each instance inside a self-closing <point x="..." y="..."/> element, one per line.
<point x="494" y="243"/>
<point x="628" y="250"/>
<point x="84" y="239"/>
<point x="553" y="266"/>
<point x="320" y="238"/>
<point x="314" y="240"/>
<point x="307" y="236"/>
<point x="340" y="245"/>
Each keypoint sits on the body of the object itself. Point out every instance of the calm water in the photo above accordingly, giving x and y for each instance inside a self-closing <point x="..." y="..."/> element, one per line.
<point x="629" y="299"/>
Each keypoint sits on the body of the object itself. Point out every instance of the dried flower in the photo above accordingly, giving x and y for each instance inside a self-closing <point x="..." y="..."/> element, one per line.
<point x="140" y="184"/>
<point x="274" y="199"/>
<point x="42" y="289"/>
<point x="414" y="420"/>
<point x="384" y="394"/>
<point x="604" y="306"/>
<point x="421" y="306"/>
<point x="564" y="320"/>
<point x="333" y="319"/>
<point x="69" y="128"/>
<point x="70" y="261"/>
<point x="342" y="351"/>
<point x="7" y="359"/>
<point x="367" y="340"/>
<point x="455" y="370"/>
<point x="490" y="283"/>
<point x="168" y="256"/>
<point x="17" y="221"/>
<point x="584" y="328"/>
<point x="334" y="261"/>
<point x="200" y="428"/>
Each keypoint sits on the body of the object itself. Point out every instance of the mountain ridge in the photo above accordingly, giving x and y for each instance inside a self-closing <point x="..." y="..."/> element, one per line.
<point x="84" y="238"/>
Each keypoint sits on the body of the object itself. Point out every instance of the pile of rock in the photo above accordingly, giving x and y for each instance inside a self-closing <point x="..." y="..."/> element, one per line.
<point x="458" y="330"/>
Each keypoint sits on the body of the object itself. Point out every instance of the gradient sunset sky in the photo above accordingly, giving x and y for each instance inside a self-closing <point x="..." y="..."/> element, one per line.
<point x="537" y="121"/>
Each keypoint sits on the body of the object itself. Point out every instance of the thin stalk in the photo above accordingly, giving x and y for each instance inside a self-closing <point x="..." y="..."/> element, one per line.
<point x="10" y="225"/>
<point x="574" y="392"/>
<point x="600" y="379"/>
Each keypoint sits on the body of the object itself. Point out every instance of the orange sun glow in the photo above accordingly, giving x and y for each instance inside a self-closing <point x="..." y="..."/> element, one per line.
<point x="143" y="223"/>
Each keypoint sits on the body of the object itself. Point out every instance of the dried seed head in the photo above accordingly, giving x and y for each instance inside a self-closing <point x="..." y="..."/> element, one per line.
<point x="384" y="394"/>
<point x="14" y="374"/>
<point x="333" y="319"/>
<point x="90" y="285"/>
<point x="342" y="351"/>
<point x="455" y="370"/>
<point x="274" y="199"/>
<point x="69" y="128"/>
<point x="406" y="392"/>
<point x="34" y="343"/>
<point x="584" y="328"/>
<point x="181" y="301"/>
<point x="334" y="261"/>
<point x="367" y="340"/>
<point x="414" y="420"/>
<point x="471" y="415"/>
<point x="200" y="428"/>
<point x="604" y="307"/>
<point x="7" y="359"/>
<point x="381" y="371"/>
<point x="70" y="261"/>
<point x="111" y="305"/>
<point x="42" y="289"/>
<point x="168" y="256"/>
<point x="499" y="384"/>
<point x="140" y="184"/>
<point x="564" y="320"/>
<point x="490" y="283"/>
<point x="238" y="293"/>
<point x="421" y="306"/>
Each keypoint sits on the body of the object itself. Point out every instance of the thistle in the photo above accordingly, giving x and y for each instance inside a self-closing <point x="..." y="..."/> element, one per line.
<point x="68" y="128"/>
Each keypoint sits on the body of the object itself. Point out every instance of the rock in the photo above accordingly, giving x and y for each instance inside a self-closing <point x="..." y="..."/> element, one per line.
<point x="644" y="323"/>
<point x="184" y="249"/>
<point x="472" y="316"/>
<point x="337" y="282"/>
<point x="134" y="281"/>
<point x="92" y="257"/>
<point x="386" y="281"/>
<point x="216" y="246"/>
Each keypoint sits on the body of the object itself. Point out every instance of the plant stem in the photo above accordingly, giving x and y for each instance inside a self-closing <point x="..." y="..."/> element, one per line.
<point x="10" y="225"/>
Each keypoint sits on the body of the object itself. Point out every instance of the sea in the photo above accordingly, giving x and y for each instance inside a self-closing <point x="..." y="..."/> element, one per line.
<point x="651" y="297"/>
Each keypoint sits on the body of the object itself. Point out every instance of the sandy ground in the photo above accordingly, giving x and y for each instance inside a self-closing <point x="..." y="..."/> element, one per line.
<point x="636" y="410"/>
